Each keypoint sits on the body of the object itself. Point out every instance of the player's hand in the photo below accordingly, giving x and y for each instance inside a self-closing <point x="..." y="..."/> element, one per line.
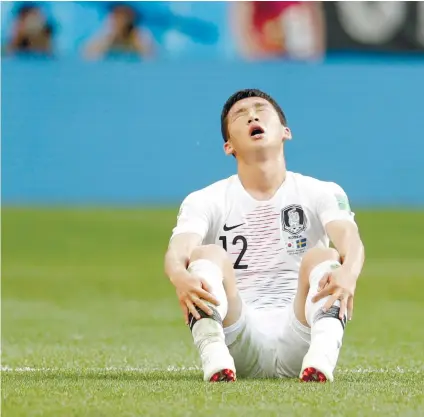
<point x="193" y="291"/>
<point x="340" y="285"/>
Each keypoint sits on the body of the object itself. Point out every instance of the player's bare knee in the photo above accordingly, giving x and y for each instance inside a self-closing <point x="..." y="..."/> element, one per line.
<point x="314" y="257"/>
<point x="213" y="253"/>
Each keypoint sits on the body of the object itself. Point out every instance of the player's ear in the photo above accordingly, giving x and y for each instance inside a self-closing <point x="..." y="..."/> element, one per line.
<point x="286" y="133"/>
<point x="228" y="148"/>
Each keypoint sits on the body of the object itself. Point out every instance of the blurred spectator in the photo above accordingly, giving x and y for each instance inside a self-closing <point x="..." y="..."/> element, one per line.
<point x="265" y="29"/>
<point x="121" y="35"/>
<point x="31" y="32"/>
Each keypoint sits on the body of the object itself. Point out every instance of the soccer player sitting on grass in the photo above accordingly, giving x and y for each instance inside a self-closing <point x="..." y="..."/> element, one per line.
<point x="259" y="286"/>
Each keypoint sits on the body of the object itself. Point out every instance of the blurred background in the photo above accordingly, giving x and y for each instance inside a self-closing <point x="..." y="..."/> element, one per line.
<point x="115" y="102"/>
<point x="110" y="116"/>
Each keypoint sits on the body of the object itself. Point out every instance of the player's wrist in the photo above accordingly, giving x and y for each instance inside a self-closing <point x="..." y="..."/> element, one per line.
<point x="179" y="274"/>
<point x="350" y="271"/>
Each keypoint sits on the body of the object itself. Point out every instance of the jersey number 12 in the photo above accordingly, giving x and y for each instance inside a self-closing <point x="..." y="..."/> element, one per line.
<point x="242" y="252"/>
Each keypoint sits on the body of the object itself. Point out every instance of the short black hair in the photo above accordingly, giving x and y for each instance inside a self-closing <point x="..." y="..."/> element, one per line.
<point x="242" y="94"/>
<point x="24" y="9"/>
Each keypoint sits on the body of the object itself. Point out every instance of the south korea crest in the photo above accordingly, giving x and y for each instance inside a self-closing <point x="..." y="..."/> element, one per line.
<point x="293" y="219"/>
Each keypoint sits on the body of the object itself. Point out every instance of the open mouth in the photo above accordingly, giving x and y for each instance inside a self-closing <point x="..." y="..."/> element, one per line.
<point x="256" y="131"/>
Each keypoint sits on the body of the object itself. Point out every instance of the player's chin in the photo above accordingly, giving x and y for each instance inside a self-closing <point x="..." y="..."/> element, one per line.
<point x="258" y="143"/>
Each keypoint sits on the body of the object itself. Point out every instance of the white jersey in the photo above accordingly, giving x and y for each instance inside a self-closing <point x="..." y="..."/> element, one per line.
<point x="265" y="240"/>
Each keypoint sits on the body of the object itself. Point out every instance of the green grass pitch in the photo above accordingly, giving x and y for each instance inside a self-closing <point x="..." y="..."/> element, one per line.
<point x="91" y="326"/>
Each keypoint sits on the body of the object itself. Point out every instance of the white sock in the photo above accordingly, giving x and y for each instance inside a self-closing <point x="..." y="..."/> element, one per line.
<point x="205" y="328"/>
<point x="326" y="332"/>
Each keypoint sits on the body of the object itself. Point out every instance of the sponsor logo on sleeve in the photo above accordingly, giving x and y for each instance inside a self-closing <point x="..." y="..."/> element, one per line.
<point x="343" y="202"/>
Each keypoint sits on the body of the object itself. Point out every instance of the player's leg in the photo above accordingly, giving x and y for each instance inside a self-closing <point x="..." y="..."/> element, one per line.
<point x="326" y="328"/>
<point x="249" y="350"/>
<point x="212" y="264"/>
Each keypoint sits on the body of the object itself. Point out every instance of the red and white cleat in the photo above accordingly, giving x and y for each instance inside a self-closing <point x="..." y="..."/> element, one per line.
<point x="226" y="375"/>
<point x="312" y="375"/>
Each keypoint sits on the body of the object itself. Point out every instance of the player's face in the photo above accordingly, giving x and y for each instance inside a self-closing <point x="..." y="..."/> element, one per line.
<point x="254" y="123"/>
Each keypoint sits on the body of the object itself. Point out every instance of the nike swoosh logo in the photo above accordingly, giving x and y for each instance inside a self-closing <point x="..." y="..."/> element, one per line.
<point x="227" y="228"/>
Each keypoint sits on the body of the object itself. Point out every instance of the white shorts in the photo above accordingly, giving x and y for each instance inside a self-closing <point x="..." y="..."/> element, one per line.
<point x="268" y="344"/>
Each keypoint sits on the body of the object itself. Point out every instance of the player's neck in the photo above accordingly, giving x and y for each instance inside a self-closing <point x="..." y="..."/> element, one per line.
<point x="262" y="179"/>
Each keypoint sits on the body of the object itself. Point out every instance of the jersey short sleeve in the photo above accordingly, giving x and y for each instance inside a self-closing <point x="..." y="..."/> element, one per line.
<point x="194" y="216"/>
<point x="333" y="204"/>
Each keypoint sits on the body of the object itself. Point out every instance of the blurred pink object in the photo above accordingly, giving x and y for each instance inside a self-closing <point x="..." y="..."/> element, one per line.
<point x="294" y="29"/>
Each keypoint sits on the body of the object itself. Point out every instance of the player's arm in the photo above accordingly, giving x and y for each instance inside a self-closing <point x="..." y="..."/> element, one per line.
<point x="178" y="254"/>
<point x="345" y="237"/>
<point x="338" y="220"/>
<point x="192" y="226"/>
